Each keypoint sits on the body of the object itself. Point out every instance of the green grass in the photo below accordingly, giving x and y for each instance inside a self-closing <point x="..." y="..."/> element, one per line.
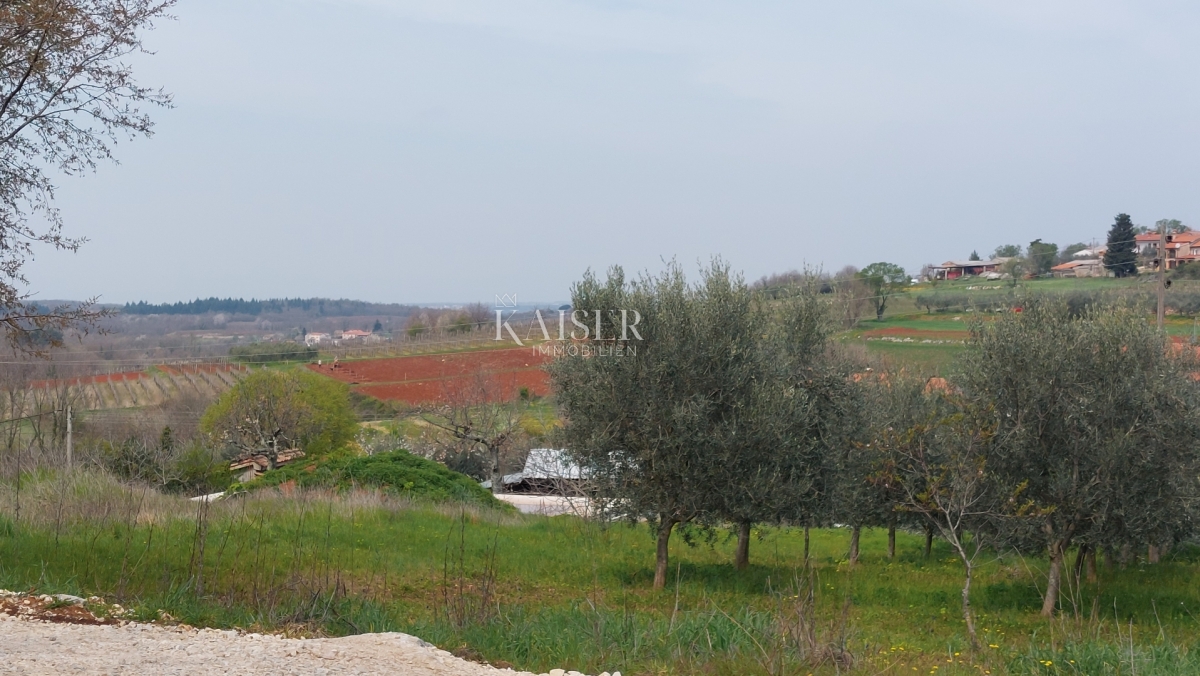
<point x="932" y="359"/>
<point x="568" y="593"/>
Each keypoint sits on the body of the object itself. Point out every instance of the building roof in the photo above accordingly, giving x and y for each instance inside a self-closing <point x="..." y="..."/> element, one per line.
<point x="970" y="264"/>
<point x="1085" y="263"/>
<point x="546" y="464"/>
<point x="260" y="462"/>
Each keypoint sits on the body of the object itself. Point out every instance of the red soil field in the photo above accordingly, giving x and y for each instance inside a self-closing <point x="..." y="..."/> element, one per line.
<point x="427" y="391"/>
<point x="429" y="378"/>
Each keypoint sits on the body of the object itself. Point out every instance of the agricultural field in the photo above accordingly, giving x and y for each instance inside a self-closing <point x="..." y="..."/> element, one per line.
<point x="928" y="340"/>
<point x="134" y="389"/>
<point x="428" y="378"/>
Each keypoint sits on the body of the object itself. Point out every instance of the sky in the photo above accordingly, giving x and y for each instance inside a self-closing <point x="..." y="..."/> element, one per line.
<point x="455" y="150"/>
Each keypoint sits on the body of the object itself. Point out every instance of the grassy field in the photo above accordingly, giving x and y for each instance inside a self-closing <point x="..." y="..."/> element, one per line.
<point x="914" y="338"/>
<point x="539" y="593"/>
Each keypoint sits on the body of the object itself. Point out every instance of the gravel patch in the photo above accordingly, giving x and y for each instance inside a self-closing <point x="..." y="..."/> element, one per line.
<point x="36" y="643"/>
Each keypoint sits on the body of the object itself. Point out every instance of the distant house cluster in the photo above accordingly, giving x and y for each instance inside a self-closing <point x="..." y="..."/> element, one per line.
<point x="353" y="336"/>
<point x="1181" y="248"/>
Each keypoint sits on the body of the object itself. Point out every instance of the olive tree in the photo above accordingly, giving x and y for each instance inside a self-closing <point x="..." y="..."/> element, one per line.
<point x="855" y="497"/>
<point x="645" y="412"/>
<point x="1096" y="415"/>
<point x="933" y="449"/>
<point x="769" y="454"/>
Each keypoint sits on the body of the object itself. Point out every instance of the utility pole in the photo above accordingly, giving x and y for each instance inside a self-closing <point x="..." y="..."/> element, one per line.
<point x="1162" y="274"/>
<point x="70" y="447"/>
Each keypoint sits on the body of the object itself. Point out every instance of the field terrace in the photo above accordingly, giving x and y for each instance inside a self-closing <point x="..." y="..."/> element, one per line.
<point x="432" y="378"/>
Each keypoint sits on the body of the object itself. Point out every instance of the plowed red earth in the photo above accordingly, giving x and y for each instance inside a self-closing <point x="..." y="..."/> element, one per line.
<point x="430" y="378"/>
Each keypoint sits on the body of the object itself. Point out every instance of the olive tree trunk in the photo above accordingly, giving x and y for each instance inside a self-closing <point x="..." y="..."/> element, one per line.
<point x="742" y="558"/>
<point x="661" y="553"/>
<point x="1054" y="583"/>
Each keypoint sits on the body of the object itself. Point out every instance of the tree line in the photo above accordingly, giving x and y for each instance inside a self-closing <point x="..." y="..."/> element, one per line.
<point x="1057" y="431"/>
<point x="240" y="306"/>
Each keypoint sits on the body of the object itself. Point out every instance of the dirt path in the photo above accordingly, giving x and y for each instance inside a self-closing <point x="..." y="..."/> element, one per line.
<point x="41" y="647"/>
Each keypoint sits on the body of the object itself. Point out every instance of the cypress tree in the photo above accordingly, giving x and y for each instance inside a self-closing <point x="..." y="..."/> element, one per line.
<point x="1121" y="256"/>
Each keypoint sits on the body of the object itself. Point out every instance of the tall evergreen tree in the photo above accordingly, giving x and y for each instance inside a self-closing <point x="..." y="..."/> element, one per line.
<point x="1121" y="256"/>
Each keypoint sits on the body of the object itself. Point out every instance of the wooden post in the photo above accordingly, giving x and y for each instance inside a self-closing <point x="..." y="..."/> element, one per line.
<point x="70" y="445"/>
<point x="1162" y="274"/>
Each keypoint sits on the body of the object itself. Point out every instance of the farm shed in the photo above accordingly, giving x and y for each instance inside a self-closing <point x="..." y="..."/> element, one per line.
<point x="959" y="269"/>
<point x="548" y="471"/>
<point x="251" y="466"/>
<point x="1088" y="267"/>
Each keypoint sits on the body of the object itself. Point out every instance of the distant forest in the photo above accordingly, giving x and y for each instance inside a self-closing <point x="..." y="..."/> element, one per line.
<point x="239" y="306"/>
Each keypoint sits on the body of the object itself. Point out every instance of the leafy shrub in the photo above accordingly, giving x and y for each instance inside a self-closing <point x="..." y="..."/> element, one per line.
<point x="198" y="470"/>
<point x="193" y="469"/>
<point x="1183" y="302"/>
<point x="134" y="460"/>
<point x="400" y="472"/>
<point x="1187" y="271"/>
<point x="961" y="302"/>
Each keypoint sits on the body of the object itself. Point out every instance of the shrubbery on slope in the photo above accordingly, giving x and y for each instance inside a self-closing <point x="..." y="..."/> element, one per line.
<point x="399" y="472"/>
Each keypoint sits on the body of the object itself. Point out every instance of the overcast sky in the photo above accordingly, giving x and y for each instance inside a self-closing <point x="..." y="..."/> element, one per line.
<point x="453" y="150"/>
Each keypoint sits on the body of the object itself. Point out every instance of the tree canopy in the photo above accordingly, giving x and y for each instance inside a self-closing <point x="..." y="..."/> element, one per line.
<point x="271" y="410"/>
<point x="882" y="280"/>
<point x="1042" y="256"/>
<point x="67" y="96"/>
<point x="1007" y="251"/>
<point x="1097" y="415"/>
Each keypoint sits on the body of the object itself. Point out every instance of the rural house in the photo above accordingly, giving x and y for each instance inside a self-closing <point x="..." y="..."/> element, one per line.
<point x="958" y="269"/>
<point x="1182" y="247"/>
<point x="311" y="339"/>
<point x="250" y="466"/>
<point x="1087" y="267"/>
